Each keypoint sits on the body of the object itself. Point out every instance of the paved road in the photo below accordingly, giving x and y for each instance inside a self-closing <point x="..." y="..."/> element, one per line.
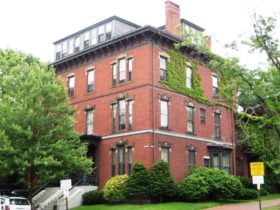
<point x="247" y="206"/>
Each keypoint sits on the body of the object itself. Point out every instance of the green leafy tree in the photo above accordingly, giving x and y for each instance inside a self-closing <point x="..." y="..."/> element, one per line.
<point x="162" y="184"/>
<point x="138" y="182"/>
<point x="37" y="136"/>
<point x="258" y="92"/>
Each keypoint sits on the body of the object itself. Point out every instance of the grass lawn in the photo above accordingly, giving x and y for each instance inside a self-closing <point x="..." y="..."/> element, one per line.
<point x="272" y="208"/>
<point x="173" y="205"/>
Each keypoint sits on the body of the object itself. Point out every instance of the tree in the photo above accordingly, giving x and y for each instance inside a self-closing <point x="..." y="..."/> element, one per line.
<point x="138" y="182"/>
<point x="37" y="137"/>
<point x="162" y="185"/>
<point x="258" y="91"/>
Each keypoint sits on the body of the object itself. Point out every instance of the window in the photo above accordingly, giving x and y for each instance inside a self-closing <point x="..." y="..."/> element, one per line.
<point x="90" y="80"/>
<point x="113" y="158"/>
<point x="108" y="28"/>
<point x="101" y="36"/>
<point x="114" y="74"/>
<point x="58" y="52"/>
<point x="71" y="46"/>
<point x="189" y="77"/>
<point x="114" y="117"/>
<point x="206" y="162"/>
<point x="215" y="86"/>
<point x="163" y="114"/>
<point x="221" y="159"/>
<point x="86" y="40"/>
<point x="202" y="116"/>
<point x="129" y="159"/>
<point x="121" y="153"/>
<point x="71" y="86"/>
<point x="93" y="36"/>
<point x="77" y="44"/>
<point x="64" y="49"/>
<point x="165" y="154"/>
<point x="190" y="119"/>
<point x="122" y="73"/>
<point x="130" y="114"/>
<point x="163" y="62"/>
<point x="121" y="114"/>
<point x="192" y="158"/>
<point x="217" y="118"/>
<point x="89" y="122"/>
<point x="129" y="69"/>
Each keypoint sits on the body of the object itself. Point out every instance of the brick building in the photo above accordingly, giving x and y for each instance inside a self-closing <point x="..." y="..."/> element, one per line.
<point x="114" y="71"/>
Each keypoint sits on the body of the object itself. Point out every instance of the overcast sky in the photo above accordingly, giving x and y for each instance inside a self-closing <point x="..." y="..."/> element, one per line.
<point x="33" y="25"/>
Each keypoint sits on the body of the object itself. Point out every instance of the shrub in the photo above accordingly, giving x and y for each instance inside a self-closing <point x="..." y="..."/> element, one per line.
<point x="162" y="184"/>
<point x="271" y="188"/>
<point x="114" y="189"/>
<point x="221" y="185"/>
<point x="246" y="194"/>
<point x="247" y="182"/>
<point x="93" y="197"/>
<point x="138" y="182"/>
<point x="193" y="188"/>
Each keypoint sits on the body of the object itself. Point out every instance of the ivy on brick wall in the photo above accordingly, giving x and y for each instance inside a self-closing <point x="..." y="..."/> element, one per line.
<point x="176" y="76"/>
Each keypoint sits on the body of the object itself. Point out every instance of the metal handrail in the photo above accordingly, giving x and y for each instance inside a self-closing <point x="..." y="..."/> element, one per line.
<point x="77" y="183"/>
<point x="40" y="188"/>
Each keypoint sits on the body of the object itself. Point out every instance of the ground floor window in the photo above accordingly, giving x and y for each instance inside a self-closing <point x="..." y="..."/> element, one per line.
<point x="221" y="159"/>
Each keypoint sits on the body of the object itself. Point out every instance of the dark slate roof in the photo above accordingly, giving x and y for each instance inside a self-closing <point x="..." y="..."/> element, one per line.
<point x="96" y="25"/>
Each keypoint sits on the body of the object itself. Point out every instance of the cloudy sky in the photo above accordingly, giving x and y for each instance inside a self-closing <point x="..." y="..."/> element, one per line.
<point x="33" y="25"/>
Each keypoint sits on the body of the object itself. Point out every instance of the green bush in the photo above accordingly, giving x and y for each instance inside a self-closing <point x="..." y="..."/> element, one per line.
<point x="193" y="188"/>
<point x="246" y="194"/>
<point x="263" y="191"/>
<point x="114" y="189"/>
<point x="138" y="182"/>
<point x="247" y="182"/>
<point x="271" y="188"/>
<point x="93" y="197"/>
<point x="162" y="184"/>
<point x="220" y="184"/>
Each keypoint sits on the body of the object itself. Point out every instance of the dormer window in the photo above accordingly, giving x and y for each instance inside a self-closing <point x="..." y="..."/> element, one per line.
<point x="108" y="28"/>
<point x="71" y="46"/>
<point x="101" y="36"/>
<point x="64" y="49"/>
<point x="93" y="36"/>
<point x="86" y="40"/>
<point x="58" y="52"/>
<point x="77" y="44"/>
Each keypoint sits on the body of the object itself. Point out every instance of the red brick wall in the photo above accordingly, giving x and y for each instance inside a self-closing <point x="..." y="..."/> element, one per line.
<point x="145" y="72"/>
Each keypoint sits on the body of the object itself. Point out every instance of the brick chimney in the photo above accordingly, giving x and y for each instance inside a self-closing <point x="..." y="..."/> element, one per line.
<point x="172" y="15"/>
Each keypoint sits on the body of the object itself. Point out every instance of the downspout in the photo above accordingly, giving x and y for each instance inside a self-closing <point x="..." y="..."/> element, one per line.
<point x="153" y="101"/>
<point x="234" y="143"/>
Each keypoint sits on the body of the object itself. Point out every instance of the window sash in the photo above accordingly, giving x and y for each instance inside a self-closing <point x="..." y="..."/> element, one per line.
<point x="129" y="159"/>
<point x="129" y="114"/>
<point x="188" y="77"/>
<point x="114" y="74"/>
<point x="64" y="49"/>
<point x="215" y="84"/>
<point x="114" y="117"/>
<point x="121" y="152"/>
<point x="190" y="119"/>
<point x="113" y="161"/>
<point x="122" y="71"/>
<point x="165" y="154"/>
<point x="217" y="117"/>
<point x="202" y="115"/>
<point x="130" y="69"/>
<point x="90" y="80"/>
<point x="77" y="44"/>
<point x="163" y="63"/>
<point x="122" y="114"/>
<point x="89" y="122"/>
<point x="164" y="114"/>
<point x="71" y="86"/>
<point x="192" y="158"/>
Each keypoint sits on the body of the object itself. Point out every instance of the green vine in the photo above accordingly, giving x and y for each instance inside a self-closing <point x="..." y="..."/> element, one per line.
<point x="176" y="76"/>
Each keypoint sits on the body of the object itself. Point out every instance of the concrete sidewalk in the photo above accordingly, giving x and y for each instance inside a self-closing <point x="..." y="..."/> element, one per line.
<point x="247" y="206"/>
